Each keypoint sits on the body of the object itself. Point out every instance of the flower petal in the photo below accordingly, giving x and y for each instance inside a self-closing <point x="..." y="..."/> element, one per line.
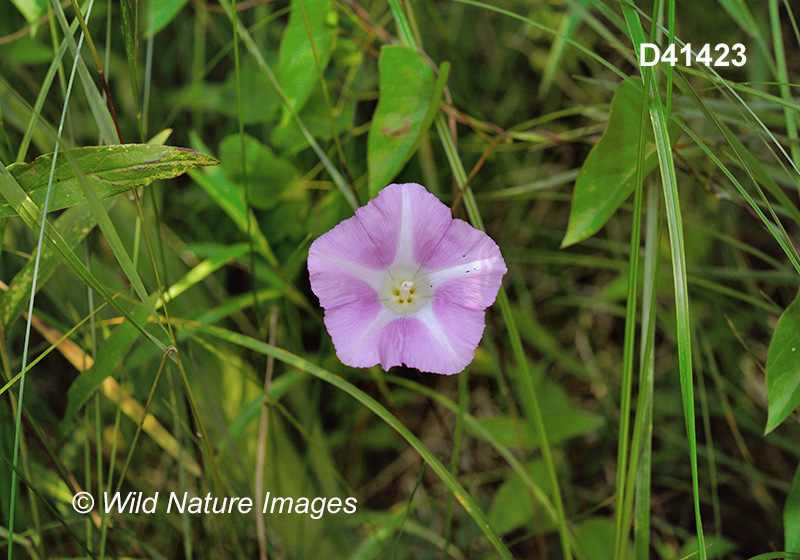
<point x="380" y="221"/>
<point x="349" y="242"/>
<point x="407" y="218"/>
<point x="442" y="338"/>
<point x="429" y="219"/>
<point x="365" y="334"/>
<point x="342" y="282"/>
<point x="466" y="268"/>
<point x="405" y="230"/>
<point x="345" y="266"/>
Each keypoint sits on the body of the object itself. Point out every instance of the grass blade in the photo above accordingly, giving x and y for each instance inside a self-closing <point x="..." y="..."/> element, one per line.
<point x="463" y="497"/>
<point x="675" y="225"/>
<point x="32" y="216"/>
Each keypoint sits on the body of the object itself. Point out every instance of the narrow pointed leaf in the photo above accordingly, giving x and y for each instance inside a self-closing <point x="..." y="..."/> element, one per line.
<point x="297" y="68"/>
<point x="464" y="498"/>
<point x="5" y="143"/>
<point x="97" y="105"/>
<point x="32" y="216"/>
<point x="108" y="359"/>
<point x="791" y="515"/>
<point x="783" y="367"/>
<point x="130" y="32"/>
<point x="104" y="221"/>
<point x="110" y="170"/>
<point x="74" y="225"/>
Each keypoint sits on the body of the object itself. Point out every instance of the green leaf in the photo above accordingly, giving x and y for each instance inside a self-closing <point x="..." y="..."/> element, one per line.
<point x="740" y="13"/>
<point x="97" y="104"/>
<point x="109" y="169"/>
<point x="5" y="144"/>
<point x="130" y="35"/>
<point x="562" y="420"/>
<point x="108" y="358"/>
<point x="791" y="515"/>
<point x="512" y="507"/>
<point x="260" y="100"/>
<point x="561" y="425"/>
<point x="163" y="12"/>
<point x="231" y="200"/>
<point x="572" y="19"/>
<point x="336" y="176"/>
<point x="160" y="138"/>
<point x="73" y="225"/>
<point x="297" y="68"/>
<point x="717" y="546"/>
<point x="783" y="367"/>
<point x="112" y="237"/>
<point x="608" y="175"/>
<point x="220" y="257"/>
<point x="269" y="177"/>
<point x="462" y="496"/>
<point x="595" y="538"/>
<point x="31" y="9"/>
<point x="409" y="97"/>
<point x="289" y="139"/>
<point x="27" y="50"/>
<point x="19" y="114"/>
<point x="33" y="218"/>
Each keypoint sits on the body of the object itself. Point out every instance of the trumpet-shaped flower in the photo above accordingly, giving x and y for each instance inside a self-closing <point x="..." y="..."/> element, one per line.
<point x="404" y="282"/>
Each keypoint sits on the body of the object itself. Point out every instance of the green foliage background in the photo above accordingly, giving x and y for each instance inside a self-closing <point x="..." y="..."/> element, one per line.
<point x="635" y="392"/>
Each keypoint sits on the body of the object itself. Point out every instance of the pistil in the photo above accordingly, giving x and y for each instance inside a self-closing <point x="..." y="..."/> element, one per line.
<point x="406" y="289"/>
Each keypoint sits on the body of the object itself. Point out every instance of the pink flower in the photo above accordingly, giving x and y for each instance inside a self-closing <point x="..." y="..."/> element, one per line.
<point x="403" y="282"/>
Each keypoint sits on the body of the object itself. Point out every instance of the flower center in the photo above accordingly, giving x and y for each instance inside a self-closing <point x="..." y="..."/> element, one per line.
<point x="406" y="290"/>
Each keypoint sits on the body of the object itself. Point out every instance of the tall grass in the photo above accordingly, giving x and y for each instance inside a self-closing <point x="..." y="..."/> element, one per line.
<point x="616" y="406"/>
